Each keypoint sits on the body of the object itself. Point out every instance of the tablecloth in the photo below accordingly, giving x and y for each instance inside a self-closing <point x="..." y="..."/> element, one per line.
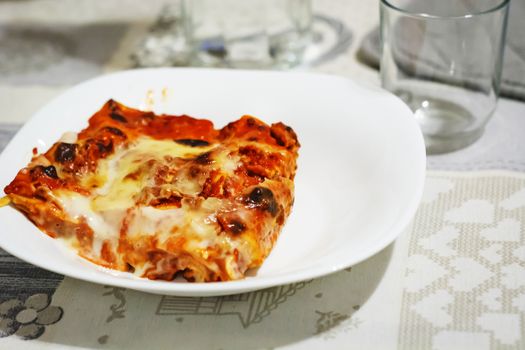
<point x="455" y="279"/>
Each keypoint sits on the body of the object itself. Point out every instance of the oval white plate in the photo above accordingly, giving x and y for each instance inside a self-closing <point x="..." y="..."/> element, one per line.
<point x="360" y="173"/>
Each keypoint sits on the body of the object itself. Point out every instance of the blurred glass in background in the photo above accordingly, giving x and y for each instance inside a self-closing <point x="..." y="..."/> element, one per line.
<point x="229" y="33"/>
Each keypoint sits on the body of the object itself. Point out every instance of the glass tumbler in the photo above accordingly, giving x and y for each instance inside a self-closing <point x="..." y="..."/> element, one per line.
<point x="249" y="33"/>
<point x="444" y="59"/>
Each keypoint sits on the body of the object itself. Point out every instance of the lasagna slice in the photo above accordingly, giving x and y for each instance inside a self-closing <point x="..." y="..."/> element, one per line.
<point x="162" y="196"/>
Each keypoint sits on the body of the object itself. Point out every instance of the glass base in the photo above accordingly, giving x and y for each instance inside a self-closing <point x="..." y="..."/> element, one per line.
<point x="446" y="126"/>
<point x="444" y="144"/>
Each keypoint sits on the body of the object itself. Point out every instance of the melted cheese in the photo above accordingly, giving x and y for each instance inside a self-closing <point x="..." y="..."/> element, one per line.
<point x="119" y="188"/>
<point x="78" y="207"/>
<point x="121" y="177"/>
<point x="151" y="221"/>
<point x="228" y="162"/>
<point x="69" y="137"/>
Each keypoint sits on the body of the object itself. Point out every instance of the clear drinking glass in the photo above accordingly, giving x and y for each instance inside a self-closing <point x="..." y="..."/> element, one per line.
<point x="249" y="33"/>
<point x="444" y="59"/>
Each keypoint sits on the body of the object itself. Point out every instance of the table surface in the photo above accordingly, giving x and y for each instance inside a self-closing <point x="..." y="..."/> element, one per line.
<point x="454" y="279"/>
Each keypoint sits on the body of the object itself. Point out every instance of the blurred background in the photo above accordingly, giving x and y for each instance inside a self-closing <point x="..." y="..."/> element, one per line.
<point x="49" y="45"/>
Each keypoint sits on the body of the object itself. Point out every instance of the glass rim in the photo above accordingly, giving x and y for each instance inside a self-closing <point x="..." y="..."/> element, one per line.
<point x="499" y="6"/>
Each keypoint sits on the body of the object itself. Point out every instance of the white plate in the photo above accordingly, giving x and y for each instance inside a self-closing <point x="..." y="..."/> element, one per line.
<point x="360" y="172"/>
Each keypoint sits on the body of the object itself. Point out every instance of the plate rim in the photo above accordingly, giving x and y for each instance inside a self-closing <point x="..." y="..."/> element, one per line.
<point x="245" y="285"/>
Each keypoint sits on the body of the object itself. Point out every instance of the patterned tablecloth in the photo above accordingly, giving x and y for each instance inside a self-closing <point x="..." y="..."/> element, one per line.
<point x="455" y="279"/>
